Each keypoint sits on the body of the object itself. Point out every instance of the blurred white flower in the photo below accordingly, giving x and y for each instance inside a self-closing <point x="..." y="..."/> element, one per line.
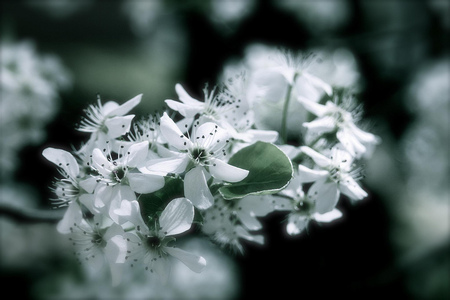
<point x="149" y="246"/>
<point x="30" y="86"/>
<point x="334" y="175"/>
<point x="319" y="17"/>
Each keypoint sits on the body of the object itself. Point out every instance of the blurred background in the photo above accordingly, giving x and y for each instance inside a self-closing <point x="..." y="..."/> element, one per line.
<point x="57" y="55"/>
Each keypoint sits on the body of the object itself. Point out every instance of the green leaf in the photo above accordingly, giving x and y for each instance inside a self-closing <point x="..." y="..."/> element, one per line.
<point x="153" y="204"/>
<point x="270" y="170"/>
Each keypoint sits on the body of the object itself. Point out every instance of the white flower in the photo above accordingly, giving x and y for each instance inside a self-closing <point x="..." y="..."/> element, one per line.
<point x="149" y="245"/>
<point x="71" y="188"/>
<point x="227" y="221"/>
<point x="93" y="243"/>
<point x="204" y="150"/>
<point x="333" y="176"/>
<point x="119" y="177"/>
<point x="302" y="209"/>
<point x="335" y="119"/>
<point x="109" y="118"/>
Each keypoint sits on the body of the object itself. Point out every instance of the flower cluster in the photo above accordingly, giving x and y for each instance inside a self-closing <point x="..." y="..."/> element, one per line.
<point x="205" y="166"/>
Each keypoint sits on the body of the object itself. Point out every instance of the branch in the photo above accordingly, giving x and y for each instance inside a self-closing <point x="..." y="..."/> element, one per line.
<point x="31" y="215"/>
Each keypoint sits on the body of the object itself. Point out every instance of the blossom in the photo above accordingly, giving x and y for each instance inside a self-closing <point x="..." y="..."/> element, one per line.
<point x="302" y="209"/>
<point x="205" y="150"/>
<point x="93" y="242"/>
<point x="227" y="221"/>
<point x="333" y="176"/>
<point x="149" y="244"/>
<point x="109" y="118"/>
<point x="70" y="189"/>
<point x="333" y="118"/>
<point x="119" y="177"/>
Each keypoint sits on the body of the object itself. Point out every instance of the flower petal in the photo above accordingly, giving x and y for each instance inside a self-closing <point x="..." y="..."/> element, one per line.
<point x="118" y="126"/>
<point x="145" y="183"/>
<point x="194" y="262"/>
<point x="297" y="223"/>
<point x="349" y="187"/>
<point x="62" y="159"/>
<point x="184" y="96"/>
<point x="210" y="136"/>
<point x="196" y="188"/>
<point x="173" y="134"/>
<point x="101" y="163"/>
<point x="186" y="110"/>
<point x="136" y="154"/>
<point x="163" y="166"/>
<point x="328" y="217"/>
<point x="126" y="107"/>
<point x="223" y="171"/>
<point x="72" y="215"/>
<point x="177" y="217"/>
<point x="308" y="175"/>
<point x="325" y="195"/>
<point x="318" y="158"/>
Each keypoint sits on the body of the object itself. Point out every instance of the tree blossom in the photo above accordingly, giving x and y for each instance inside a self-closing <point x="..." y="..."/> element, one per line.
<point x="149" y="244"/>
<point x="93" y="242"/>
<point x="205" y="150"/>
<point x="119" y="177"/>
<point x="109" y="117"/>
<point x="302" y="209"/>
<point x="334" y="175"/>
<point x="227" y="221"/>
<point x="333" y="118"/>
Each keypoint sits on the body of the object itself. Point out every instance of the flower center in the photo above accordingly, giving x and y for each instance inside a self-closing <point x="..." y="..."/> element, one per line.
<point x="153" y="242"/>
<point x="304" y="207"/>
<point x="199" y="155"/>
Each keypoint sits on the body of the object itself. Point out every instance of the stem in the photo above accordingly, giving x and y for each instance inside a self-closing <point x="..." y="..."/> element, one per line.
<point x="283" y="131"/>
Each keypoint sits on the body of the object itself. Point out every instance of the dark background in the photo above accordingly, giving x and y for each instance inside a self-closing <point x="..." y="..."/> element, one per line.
<point x="354" y="257"/>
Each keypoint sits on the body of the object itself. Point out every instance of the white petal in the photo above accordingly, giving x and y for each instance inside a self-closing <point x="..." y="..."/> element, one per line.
<point x="126" y="107"/>
<point x="194" y="262"/>
<point x="177" y="217"/>
<point x="186" y="110"/>
<point x="313" y="107"/>
<point x="318" y="158"/>
<point x="163" y="166"/>
<point x="223" y="171"/>
<point x="325" y="195"/>
<point x="130" y="211"/>
<point x="210" y="136"/>
<point x="351" y="143"/>
<point x="136" y="154"/>
<point x="162" y="267"/>
<point x="350" y="188"/>
<point x="308" y="175"/>
<point x="118" y="126"/>
<point x="89" y="184"/>
<point x="196" y="188"/>
<point x="62" y="159"/>
<point x="318" y="82"/>
<point x="328" y="217"/>
<point x="321" y="125"/>
<point x="249" y="220"/>
<point x="173" y="134"/>
<point x="88" y="201"/>
<point x="72" y="215"/>
<point x="145" y="183"/>
<point x="101" y="163"/>
<point x="268" y="136"/>
<point x="363" y="136"/>
<point x="184" y="96"/>
<point x="296" y="224"/>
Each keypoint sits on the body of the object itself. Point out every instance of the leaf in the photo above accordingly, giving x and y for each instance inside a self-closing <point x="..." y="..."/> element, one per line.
<point x="153" y="204"/>
<point x="270" y="171"/>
